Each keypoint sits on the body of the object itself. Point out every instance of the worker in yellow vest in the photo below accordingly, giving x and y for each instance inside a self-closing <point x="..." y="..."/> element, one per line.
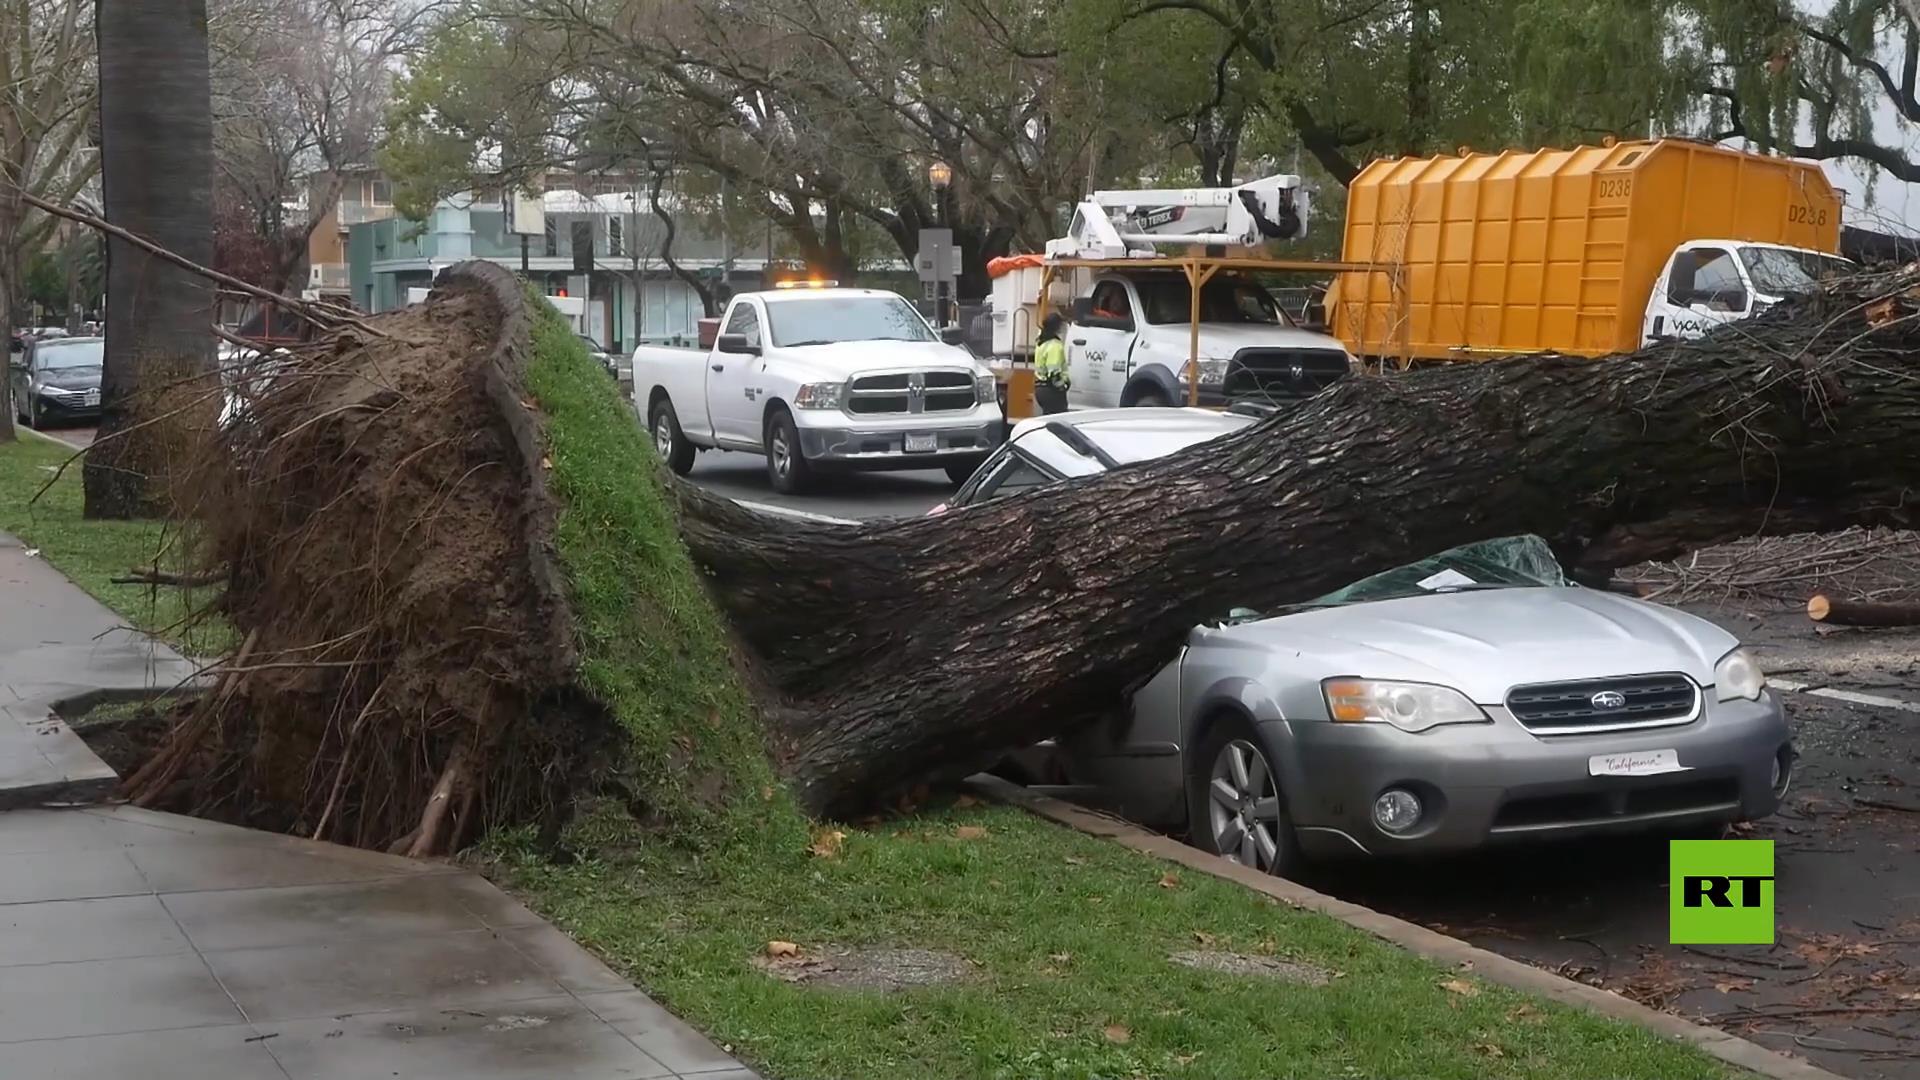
<point x="1050" y="367"/>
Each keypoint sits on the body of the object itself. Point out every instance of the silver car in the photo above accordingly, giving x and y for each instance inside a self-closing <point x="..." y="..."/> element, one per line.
<point x="1472" y="698"/>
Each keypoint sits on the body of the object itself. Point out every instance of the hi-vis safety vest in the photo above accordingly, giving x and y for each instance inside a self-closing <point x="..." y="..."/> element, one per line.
<point x="1050" y="363"/>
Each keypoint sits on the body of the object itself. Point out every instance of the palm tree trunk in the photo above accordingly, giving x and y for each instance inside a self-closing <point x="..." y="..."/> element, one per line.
<point x="156" y="146"/>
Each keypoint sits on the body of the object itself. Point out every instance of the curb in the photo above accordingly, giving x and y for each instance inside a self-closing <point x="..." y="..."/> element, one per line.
<point x="1410" y="936"/>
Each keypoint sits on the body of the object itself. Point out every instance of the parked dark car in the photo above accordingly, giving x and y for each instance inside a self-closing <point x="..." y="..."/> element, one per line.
<point x="57" y="379"/>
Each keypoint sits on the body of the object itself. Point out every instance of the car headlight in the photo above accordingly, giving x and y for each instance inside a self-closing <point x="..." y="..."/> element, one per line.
<point x="1407" y="706"/>
<point x="1212" y="372"/>
<point x="59" y="392"/>
<point x="985" y="387"/>
<point x="819" y="395"/>
<point x="1737" y="677"/>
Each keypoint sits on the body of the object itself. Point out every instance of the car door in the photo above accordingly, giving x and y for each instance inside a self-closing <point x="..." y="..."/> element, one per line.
<point x="1704" y="288"/>
<point x="1098" y="346"/>
<point x="732" y="382"/>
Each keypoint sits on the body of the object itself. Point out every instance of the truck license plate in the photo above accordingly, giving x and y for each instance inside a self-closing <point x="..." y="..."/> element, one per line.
<point x="922" y="444"/>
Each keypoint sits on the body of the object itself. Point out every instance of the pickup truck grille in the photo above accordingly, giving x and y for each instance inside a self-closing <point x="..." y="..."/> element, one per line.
<point x="1283" y="374"/>
<point x="911" y="392"/>
<point x="1594" y="705"/>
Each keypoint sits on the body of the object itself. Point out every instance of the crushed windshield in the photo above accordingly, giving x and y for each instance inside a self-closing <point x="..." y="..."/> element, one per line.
<point x="1512" y="562"/>
<point x="818" y="321"/>
<point x="1786" y="272"/>
<point x="1222" y="300"/>
<point x="67" y="355"/>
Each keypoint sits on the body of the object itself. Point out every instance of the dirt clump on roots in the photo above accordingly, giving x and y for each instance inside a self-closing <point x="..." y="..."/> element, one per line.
<point x="405" y="673"/>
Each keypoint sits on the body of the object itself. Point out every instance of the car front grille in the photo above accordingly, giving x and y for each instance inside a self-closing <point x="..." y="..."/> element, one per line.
<point x="1657" y="798"/>
<point x="911" y="392"/>
<point x="1283" y="374"/>
<point x="1592" y="705"/>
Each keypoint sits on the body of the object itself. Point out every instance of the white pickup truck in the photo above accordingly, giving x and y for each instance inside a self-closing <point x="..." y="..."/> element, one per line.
<point x="1707" y="283"/>
<point x="1130" y="340"/>
<point x="817" y="379"/>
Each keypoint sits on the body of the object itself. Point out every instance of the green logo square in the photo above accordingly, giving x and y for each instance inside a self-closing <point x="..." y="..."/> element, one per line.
<point x="1720" y="892"/>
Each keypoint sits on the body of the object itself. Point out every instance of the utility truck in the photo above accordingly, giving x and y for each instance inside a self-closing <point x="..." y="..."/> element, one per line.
<point x="819" y="378"/>
<point x="1591" y="251"/>
<point x="1191" y="325"/>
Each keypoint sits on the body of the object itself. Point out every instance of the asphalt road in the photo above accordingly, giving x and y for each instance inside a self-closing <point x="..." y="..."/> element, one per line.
<point x="851" y="495"/>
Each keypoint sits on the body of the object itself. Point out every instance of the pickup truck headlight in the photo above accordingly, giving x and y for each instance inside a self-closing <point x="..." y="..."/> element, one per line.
<point x="819" y="395"/>
<point x="1212" y="372"/>
<point x="1407" y="706"/>
<point x="1737" y="677"/>
<point x="985" y="387"/>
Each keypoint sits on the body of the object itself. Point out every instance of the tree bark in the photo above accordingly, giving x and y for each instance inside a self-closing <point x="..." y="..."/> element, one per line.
<point x="903" y="649"/>
<point x="1825" y="609"/>
<point x="157" y="160"/>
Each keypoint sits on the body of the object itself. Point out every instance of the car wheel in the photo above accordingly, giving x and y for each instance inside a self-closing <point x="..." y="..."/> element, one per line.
<point x="668" y="440"/>
<point x="1153" y="398"/>
<point x="787" y="468"/>
<point x="961" y="473"/>
<point x="1234" y="802"/>
<point x="33" y="413"/>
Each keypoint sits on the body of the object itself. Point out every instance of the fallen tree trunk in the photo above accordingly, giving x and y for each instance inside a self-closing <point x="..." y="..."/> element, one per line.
<point x="902" y="649"/>
<point x="434" y="647"/>
<point x="1825" y="609"/>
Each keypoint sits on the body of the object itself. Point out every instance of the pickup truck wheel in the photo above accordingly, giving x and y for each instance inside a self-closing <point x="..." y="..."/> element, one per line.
<point x="1234" y="805"/>
<point x="669" y="441"/>
<point x="787" y="468"/>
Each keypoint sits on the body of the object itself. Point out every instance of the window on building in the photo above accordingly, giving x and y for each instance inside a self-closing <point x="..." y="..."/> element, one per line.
<point x="552" y="241"/>
<point x="616" y="241"/>
<point x="381" y="193"/>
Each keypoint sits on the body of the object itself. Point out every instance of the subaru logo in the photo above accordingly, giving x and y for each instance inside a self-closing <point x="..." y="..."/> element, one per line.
<point x="1609" y="699"/>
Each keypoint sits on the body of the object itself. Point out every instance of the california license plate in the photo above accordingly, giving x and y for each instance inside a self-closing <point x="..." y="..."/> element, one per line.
<point x="1636" y="763"/>
<point x="922" y="444"/>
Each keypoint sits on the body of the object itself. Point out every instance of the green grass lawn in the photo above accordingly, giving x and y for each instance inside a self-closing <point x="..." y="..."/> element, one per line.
<point x="1069" y="937"/>
<point x="92" y="552"/>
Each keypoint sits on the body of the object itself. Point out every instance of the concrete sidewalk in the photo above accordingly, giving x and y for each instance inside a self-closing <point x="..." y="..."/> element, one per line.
<point x="149" y="945"/>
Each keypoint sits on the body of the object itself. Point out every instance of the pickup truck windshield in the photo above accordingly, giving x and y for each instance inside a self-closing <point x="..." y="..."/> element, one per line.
<point x="818" y="321"/>
<point x="1222" y="300"/>
<point x="1782" y="272"/>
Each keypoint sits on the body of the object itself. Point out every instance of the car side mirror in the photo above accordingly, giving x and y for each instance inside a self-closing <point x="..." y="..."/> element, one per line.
<point x="952" y="335"/>
<point x="736" y="343"/>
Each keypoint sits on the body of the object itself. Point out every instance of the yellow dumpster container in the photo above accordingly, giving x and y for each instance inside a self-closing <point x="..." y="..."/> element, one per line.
<point x="1551" y="250"/>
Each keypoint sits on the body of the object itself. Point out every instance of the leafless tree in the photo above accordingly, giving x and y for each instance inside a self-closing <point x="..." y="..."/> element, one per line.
<point x="48" y="94"/>
<point x="300" y="90"/>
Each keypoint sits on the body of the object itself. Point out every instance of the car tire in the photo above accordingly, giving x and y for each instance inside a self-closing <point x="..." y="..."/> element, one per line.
<point x="668" y="440"/>
<point x="787" y="467"/>
<point x="32" y="416"/>
<point x="962" y="472"/>
<point x="1151" y="398"/>
<point x="1235" y="808"/>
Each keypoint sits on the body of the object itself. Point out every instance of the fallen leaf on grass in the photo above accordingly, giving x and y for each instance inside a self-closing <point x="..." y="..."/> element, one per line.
<point x="1523" y="1012"/>
<point x="1491" y="1050"/>
<point x="1075" y="860"/>
<point x="1170" y="881"/>
<point x="1203" y="937"/>
<point x="546" y="462"/>
<point x="970" y="832"/>
<point x="1461" y="987"/>
<point x="1118" y="1034"/>
<point x="826" y="844"/>
<point x="782" y="948"/>
<point x="1061" y="957"/>
<point x="1187" y="1059"/>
